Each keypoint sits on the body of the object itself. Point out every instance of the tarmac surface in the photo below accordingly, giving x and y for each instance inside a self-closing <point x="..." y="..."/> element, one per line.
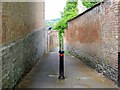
<point x="77" y="75"/>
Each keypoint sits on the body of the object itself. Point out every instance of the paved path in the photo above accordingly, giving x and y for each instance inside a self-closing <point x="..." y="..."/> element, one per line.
<point x="45" y="75"/>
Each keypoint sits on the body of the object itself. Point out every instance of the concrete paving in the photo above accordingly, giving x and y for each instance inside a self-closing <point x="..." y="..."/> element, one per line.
<point x="77" y="75"/>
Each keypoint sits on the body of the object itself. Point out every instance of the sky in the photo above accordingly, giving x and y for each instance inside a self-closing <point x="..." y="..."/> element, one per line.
<point x="53" y="8"/>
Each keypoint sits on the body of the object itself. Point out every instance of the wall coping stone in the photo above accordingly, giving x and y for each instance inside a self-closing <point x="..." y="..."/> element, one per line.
<point x="87" y="11"/>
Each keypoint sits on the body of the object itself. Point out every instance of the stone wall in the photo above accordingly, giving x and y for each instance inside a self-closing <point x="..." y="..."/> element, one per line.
<point x="23" y="39"/>
<point x="93" y="37"/>
<point x="19" y="57"/>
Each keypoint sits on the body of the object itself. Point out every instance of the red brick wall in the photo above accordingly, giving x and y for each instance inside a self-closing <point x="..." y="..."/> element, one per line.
<point x="109" y="32"/>
<point x="19" y="18"/>
<point x="95" y="34"/>
<point x="83" y="27"/>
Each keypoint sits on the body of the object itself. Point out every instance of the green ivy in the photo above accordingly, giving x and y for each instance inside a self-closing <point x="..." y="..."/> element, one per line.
<point x="70" y="11"/>
<point x="90" y="3"/>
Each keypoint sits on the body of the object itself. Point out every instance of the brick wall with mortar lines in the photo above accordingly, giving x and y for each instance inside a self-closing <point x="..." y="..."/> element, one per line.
<point x="93" y="37"/>
<point x="23" y="39"/>
<point x="0" y="44"/>
<point x="0" y="23"/>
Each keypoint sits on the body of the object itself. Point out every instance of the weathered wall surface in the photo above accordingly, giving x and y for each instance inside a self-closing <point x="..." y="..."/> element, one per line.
<point x="20" y="18"/>
<point x="0" y="23"/>
<point x="53" y="41"/>
<point x="0" y="45"/>
<point x="93" y="37"/>
<point x="23" y="39"/>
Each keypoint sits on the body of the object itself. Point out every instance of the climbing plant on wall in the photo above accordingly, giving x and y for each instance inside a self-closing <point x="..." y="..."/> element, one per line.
<point x="70" y="11"/>
<point x="90" y="3"/>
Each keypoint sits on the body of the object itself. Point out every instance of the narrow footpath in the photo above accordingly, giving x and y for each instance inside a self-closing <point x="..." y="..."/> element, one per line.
<point x="78" y="75"/>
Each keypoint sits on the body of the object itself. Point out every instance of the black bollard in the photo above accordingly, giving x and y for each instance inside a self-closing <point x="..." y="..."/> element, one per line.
<point x="61" y="65"/>
<point x="118" y="69"/>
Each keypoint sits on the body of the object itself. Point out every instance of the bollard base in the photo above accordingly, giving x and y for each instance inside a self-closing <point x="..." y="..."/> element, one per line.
<point x="61" y="77"/>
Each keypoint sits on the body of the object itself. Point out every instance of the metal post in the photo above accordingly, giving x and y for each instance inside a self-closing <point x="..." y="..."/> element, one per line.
<point x="61" y="60"/>
<point x="118" y="69"/>
<point x="61" y="65"/>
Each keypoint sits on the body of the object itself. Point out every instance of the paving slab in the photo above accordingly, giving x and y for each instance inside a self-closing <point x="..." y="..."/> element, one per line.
<point x="77" y="75"/>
